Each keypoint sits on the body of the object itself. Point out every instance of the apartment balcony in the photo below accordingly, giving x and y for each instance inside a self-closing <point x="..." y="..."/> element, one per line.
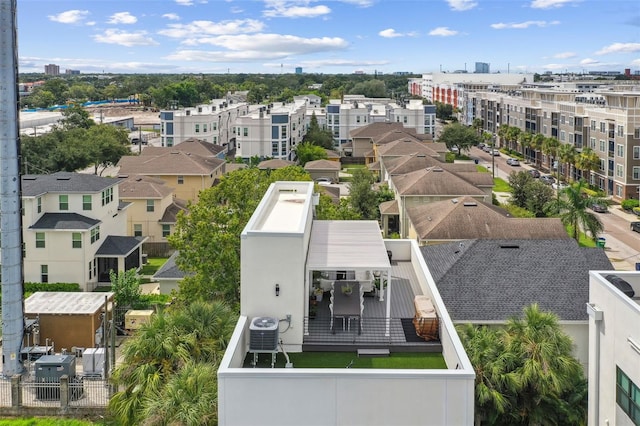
<point x="612" y="134"/>
<point x="611" y="154"/>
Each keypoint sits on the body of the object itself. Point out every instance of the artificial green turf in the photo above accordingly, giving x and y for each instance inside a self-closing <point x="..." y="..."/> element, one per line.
<point x="152" y="266"/>
<point x="500" y="185"/>
<point x="404" y="360"/>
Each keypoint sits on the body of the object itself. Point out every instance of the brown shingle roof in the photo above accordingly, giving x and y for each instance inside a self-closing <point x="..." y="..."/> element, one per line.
<point x="389" y="207"/>
<point x="170" y="163"/>
<point x="406" y="147"/>
<point x="170" y="214"/>
<point x="191" y="145"/>
<point x="322" y="165"/>
<point x="145" y="187"/>
<point x="332" y="154"/>
<point x="434" y="181"/>
<point x="375" y="129"/>
<point x="469" y="218"/>
<point x="274" y="163"/>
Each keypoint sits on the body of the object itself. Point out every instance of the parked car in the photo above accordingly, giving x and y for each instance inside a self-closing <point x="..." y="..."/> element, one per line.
<point x="481" y="145"/>
<point x="486" y="148"/>
<point x="635" y="226"/>
<point x="559" y="186"/>
<point x="513" y="162"/>
<point x="549" y="180"/>
<point x="534" y="173"/>
<point x="323" y="180"/>
<point x="599" y="208"/>
<point x="495" y="152"/>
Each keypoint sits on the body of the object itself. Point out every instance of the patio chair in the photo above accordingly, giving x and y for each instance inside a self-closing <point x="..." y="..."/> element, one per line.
<point x="331" y="318"/>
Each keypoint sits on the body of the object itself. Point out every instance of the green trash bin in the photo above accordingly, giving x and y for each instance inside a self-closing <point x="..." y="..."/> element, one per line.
<point x="601" y="242"/>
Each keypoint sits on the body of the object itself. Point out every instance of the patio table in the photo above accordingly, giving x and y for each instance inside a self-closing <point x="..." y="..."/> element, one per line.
<point x="346" y="306"/>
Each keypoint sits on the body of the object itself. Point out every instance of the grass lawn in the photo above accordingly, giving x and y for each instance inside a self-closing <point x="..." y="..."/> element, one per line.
<point x="343" y="359"/>
<point x="482" y="169"/>
<point x="353" y="167"/>
<point x="44" y="422"/>
<point x="152" y="266"/>
<point x="501" y="185"/>
<point x="584" y="239"/>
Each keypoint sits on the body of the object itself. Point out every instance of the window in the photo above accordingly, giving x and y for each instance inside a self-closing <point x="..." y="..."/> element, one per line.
<point x="628" y="396"/>
<point x="602" y="127"/>
<point x="636" y="152"/>
<point x="562" y="135"/>
<point x="214" y="126"/>
<point x="245" y="131"/>
<point x="204" y="128"/>
<point x="636" y="173"/>
<point x="107" y="196"/>
<point x="169" y="142"/>
<point x="636" y="133"/>
<point x="544" y="129"/>
<point x="404" y="119"/>
<point x="180" y="180"/>
<point x="619" y="190"/>
<point x="93" y="268"/>
<point x="44" y="273"/>
<point x="90" y="271"/>
<point x="86" y="202"/>
<point x="283" y="132"/>
<point x="592" y="143"/>
<point x="76" y="240"/>
<point x="593" y="124"/>
<point x="166" y="231"/>
<point x="562" y="119"/>
<point x="215" y="140"/>
<point x="620" y="150"/>
<point x="197" y="128"/>
<point x="603" y="146"/>
<point x="95" y="234"/>
<point x="151" y="205"/>
<point x="620" y="131"/>
<point x="63" y="202"/>
<point x="137" y="230"/>
<point x="603" y="165"/>
<point x="40" y="240"/>
<point x="39" y="204"/>
<point x="357" y="118"/>
<point x="619" y="170"/>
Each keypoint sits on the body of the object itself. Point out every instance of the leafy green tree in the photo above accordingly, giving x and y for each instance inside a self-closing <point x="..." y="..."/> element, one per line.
<point x="327" y="210"/>
<point x="308" y="152"/>
<point x="518" y="182"/>
<point x="362" y="196"/>
<point x="571" y="205"/>
<point x="525" y="372"/>
<point x="208" y="237"/>
<point x="317" y="136"/>
<point x="168" y="372"/>
<point x="75" y="116"/>
<point x="477" y="125"/>
<point x="107" y="145"/>
<point x="443" y="111"/>
<point x="459" y="136"/>
<point x="370" y="89"/>
<point x="126" y="287"/>
<point x="538" y="195"/>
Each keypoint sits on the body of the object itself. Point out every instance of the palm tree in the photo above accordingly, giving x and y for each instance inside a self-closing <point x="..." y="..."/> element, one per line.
<point x="477" y="125"/>
<point x="503" y="131"/>
<point x="546" y="369"/>
<point x="536" y="144"/>
<point x="567" y="154"/>
<point x="588" y="161"/>
<point x="525" y="141"/>
<point x="514" y="137"/>
<point x="549" y="147"/>
<point x="571" y="205"/>
<point x="168" y="346"/>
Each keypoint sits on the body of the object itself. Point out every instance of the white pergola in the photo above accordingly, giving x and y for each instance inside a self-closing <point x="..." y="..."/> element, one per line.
<point x="348" y="245"/>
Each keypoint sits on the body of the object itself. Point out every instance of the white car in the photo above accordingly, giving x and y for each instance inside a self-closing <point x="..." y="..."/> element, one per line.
<point x="513" y="162"/>
<point x="559" y="186"/>
<point x="495" y="152"/>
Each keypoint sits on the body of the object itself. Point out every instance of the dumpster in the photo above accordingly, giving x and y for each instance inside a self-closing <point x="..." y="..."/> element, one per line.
<point x="601" y="242"/>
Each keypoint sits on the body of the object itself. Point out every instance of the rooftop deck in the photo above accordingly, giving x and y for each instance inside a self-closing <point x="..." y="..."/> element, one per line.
<point x="402" y="336"/>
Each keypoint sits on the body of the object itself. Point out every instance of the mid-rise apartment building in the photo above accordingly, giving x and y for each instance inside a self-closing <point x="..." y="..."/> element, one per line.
<point x="52" y="69"/>
<point x="607" y="120"/>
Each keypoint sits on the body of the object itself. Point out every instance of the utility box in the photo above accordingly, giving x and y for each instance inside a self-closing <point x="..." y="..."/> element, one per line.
<point x="93" y="361"/>
<point x="49" y="370"/>
<point x="133" y="320"/>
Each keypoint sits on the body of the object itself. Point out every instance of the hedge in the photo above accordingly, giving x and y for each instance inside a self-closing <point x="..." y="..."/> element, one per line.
<point x="629" y="204"/>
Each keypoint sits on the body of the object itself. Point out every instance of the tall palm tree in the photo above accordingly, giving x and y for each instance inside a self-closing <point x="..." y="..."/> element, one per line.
<point x="571" y="205"/>
<point x="477" y="125"/>
<point x="513" y="135"/>
<point x="588" y="161"/>
<point x="525" y="142"/>
<point x="503" y="131"/>
<point x="536" y="145"/>
<point x="567" y="154"/>
<point x="550" y="148"/>
<point x="547" y="367"/>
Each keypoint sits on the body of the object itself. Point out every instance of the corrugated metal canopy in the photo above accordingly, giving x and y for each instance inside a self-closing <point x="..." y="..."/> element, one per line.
<point x="346" y="245"/>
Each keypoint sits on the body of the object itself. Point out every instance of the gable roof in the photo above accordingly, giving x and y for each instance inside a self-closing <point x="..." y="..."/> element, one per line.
<point x="64" y="221"/>
<point x="389" y="207"/>
<point x="65" y="182"/>
<point x="172" y="162"/>
<point x="375" y="129"/>
<point x="322" y="165"/>
<point x="170" y="214"/>
<point x="407" y="147"/>
<point x="274" y="163"/>
<point x="434" y="181"/>
<point x="169" y="270"/>
<point x="191" y="145"/>
<point x="493" y="280"/>
<point x="146" y="187"/>
<point x="467" y="218"/>
<point x="119" y="245"/>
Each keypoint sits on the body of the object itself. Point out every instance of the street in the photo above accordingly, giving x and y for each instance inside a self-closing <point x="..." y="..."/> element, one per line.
<point x="622" y="244"/>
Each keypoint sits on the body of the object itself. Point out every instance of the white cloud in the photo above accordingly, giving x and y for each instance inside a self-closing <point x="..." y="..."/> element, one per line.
<point x="236" y="9"/>
<point x="195" y="29"/>
<point x="361" y="3"/>
<point x="523" y="25"/>
<point x="589" y="61"/>
<point x="171" y="16"/>
<point x="122" y="18"/>
<point x="461" y="5"/>
<point x="293" y="9"/>
<point x="341" y="63"/>
<point x="391" y="33"/>
<point x="185" y="2"/>
<point x="70" y="16"/>
<point x="259" y="47"/>
<point x="442" y="32"/>
<point x="123" y="38"/>
<point x="564" y="55"/>
<point x="549" y="4"/>
<point x="554" y="66"/>
<point x="619" y="48"/>
<point x="90" y="23"/>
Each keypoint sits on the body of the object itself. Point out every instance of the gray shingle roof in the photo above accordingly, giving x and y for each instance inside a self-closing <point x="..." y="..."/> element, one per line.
<point x="322" y="165"/>
<point x="170" y="270"/>
<point x="118" y="245"/>
<point x="493" y="280"/>
<point x="65" y="182"/>
<point x="170" y="214"/>
<point x="64" y="221"/>
<point x="434" y="181"/>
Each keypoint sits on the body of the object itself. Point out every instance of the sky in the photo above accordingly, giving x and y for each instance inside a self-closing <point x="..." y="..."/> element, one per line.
<point x="328" y="36"/>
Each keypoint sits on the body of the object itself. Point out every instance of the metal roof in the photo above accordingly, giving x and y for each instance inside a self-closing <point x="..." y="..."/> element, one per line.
<point x="346" y="245"/>
<point x="60" y="303"/>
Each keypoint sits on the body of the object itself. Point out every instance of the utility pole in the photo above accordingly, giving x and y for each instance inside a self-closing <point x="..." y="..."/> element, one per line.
<point x="10" y="203"/>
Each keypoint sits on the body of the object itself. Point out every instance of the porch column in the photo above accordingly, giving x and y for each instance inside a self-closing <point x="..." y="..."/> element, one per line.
<point x="306" y="302"/>
<point x="388" y="276"/>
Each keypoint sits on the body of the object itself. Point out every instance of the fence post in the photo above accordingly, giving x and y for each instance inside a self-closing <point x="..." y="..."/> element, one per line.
<point x="64" y="392"/>
<point x="16" y="395"/>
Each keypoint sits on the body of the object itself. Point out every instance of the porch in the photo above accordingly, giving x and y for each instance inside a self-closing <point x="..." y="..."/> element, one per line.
<point x="401" y="337"/>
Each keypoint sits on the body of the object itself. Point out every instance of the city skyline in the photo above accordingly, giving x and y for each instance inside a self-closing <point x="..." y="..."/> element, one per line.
<point x="337" y="36"/>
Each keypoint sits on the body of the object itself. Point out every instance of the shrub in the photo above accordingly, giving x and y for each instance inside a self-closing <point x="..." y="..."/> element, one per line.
<point x="449" y="157"/>
<point x="66" y="287"/>
<point x="636" y="210"/>
<point x="516" y="211"/>
<point x="629" y="204"/>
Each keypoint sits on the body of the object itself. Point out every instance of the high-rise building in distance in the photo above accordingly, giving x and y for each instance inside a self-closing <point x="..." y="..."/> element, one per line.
<point x="52" y="69"/>
<point x="482" y="68"/>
